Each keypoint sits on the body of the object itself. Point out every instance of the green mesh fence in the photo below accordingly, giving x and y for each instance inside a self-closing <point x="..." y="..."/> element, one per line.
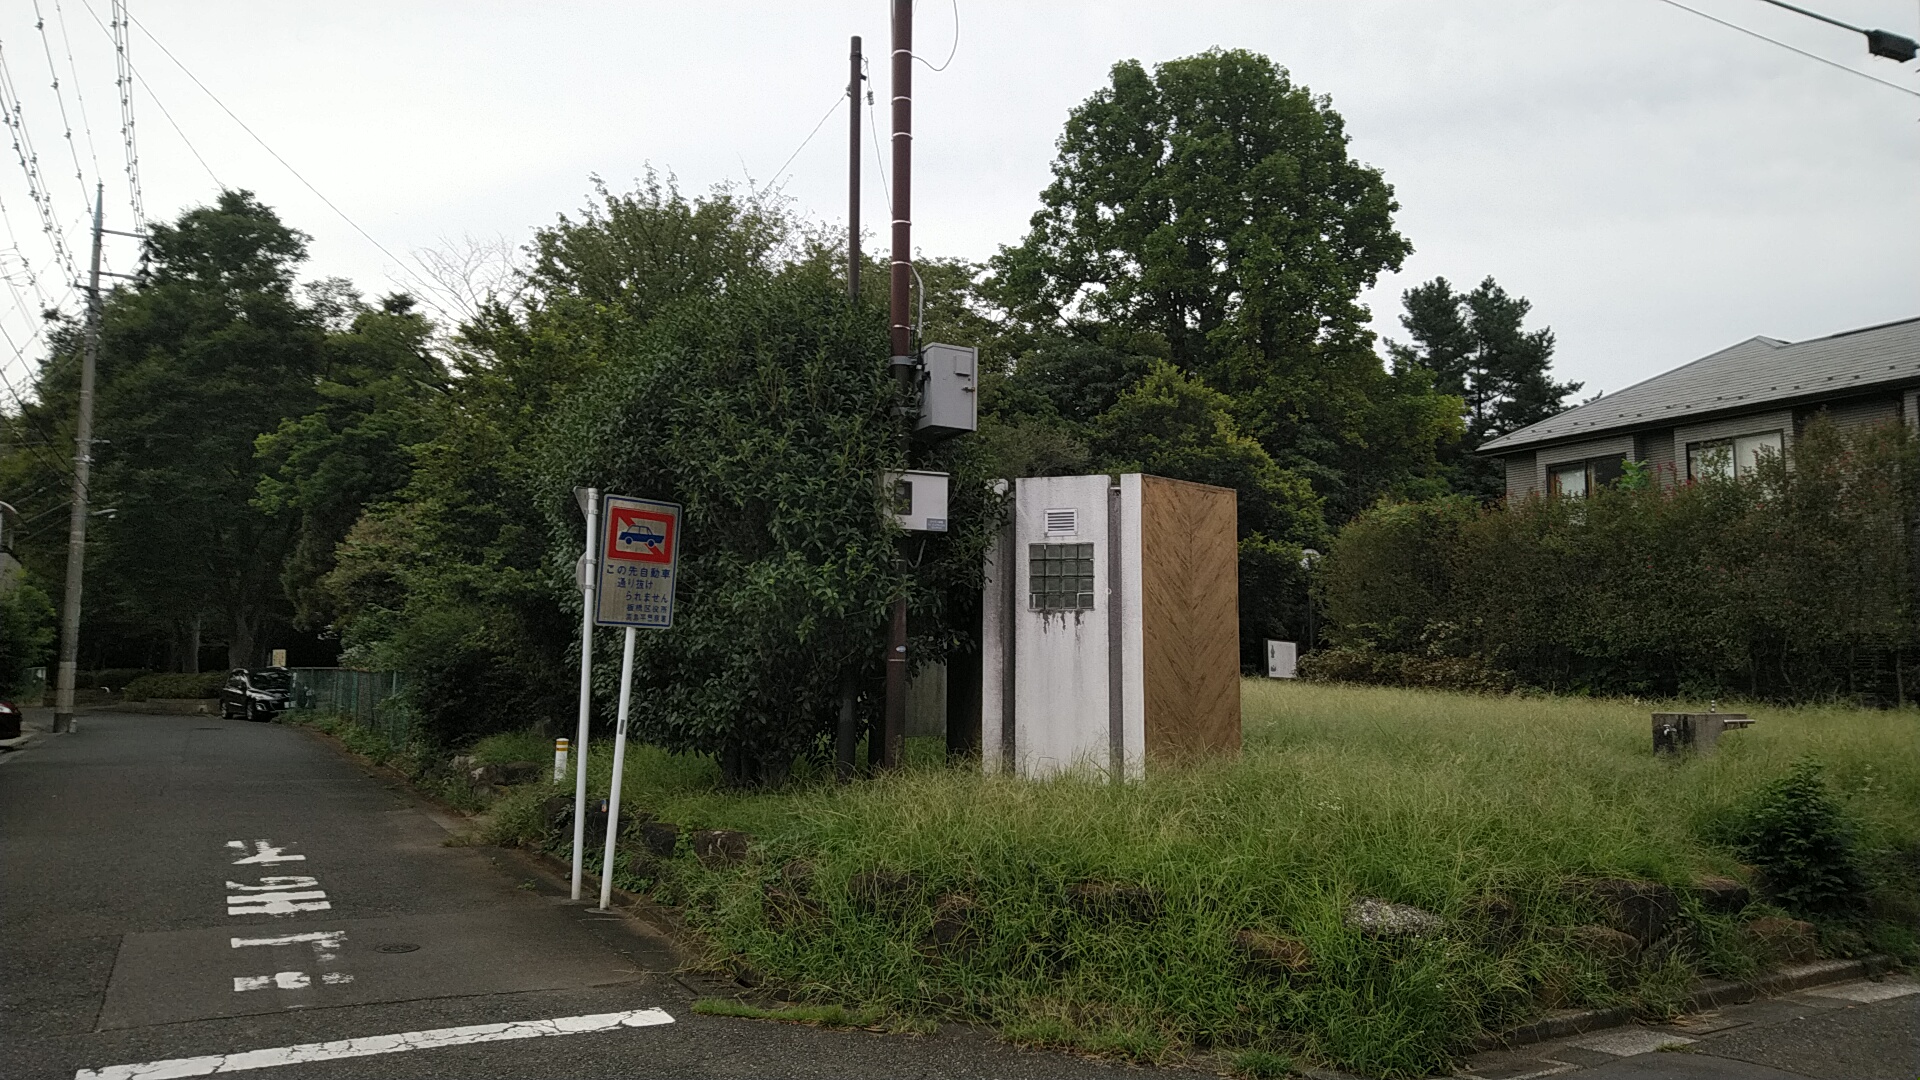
<point x="370" y="699"/>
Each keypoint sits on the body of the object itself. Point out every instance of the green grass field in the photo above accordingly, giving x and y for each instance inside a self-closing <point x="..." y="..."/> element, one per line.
<point x="1438" y="800"/>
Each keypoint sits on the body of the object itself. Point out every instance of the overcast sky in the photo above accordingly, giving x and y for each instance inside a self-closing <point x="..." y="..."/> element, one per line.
<point x="1659" y="186"/>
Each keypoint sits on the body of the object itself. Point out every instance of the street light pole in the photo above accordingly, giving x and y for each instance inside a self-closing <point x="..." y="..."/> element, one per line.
<point x="1895" y="47"/>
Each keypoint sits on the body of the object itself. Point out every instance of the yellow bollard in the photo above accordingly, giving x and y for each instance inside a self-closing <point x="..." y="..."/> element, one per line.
<point x="559" y="760"/>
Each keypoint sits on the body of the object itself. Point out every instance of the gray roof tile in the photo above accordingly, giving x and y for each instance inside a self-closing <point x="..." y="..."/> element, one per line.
<point x="1756" y="372"/>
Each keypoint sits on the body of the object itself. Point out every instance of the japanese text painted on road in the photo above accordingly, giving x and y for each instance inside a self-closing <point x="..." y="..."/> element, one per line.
<point x="639" y="562"/>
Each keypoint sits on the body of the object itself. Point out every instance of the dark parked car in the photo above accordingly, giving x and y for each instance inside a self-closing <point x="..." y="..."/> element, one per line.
<point x="256" y="693"/>
<point x="9" y="720"/>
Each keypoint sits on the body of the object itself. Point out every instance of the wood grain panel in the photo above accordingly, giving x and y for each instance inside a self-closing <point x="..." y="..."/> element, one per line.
<point x="1190" y="610"/>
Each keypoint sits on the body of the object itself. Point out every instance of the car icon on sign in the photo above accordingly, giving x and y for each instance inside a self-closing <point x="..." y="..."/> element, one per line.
<point x="640" y="534"/>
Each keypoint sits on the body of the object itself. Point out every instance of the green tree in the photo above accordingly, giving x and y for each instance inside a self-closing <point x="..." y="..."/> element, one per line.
<point x="208" y="350"/>
<point x="1214" y="205"/>
<point x="380" y="393"/>
<point x="1171" y="424"/>
<point x="27" y="633"/>
<point x="1477" y="350"/>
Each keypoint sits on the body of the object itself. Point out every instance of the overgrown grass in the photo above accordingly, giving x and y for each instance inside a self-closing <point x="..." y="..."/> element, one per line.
<point x="1437" y="800"/>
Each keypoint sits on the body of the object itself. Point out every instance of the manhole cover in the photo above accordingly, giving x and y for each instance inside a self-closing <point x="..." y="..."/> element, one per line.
<point x="209" y="729"/>
<point x="396" y="947"/>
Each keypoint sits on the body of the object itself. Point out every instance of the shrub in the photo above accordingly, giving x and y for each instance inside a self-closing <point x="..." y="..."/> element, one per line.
<point x="1373" y="667"/>
<point x="175" y="684"/>
<point x="1803" y="842"/>
<point x="114" y="679"/>
<point x="1794" y="582"/>
<point x="26" y="635"/>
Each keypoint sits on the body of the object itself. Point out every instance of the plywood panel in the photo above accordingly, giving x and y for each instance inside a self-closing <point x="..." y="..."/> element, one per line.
<point x="1190" y="615"/>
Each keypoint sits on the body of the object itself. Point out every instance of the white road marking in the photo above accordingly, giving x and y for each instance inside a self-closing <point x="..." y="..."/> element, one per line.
<point x="275" y="884"/>
<point x="1866" y="993"/>
<point x="284" y="903"/>
<point x="326" y="943"/>
<point x="264" y="852"/>
<point x="285" y="980"/>
<point x="336" y="978"/>
<point x="376" y="1044"/>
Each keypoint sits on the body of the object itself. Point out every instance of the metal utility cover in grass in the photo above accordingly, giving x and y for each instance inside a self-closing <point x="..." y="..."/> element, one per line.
<point x="1111" y="626"/>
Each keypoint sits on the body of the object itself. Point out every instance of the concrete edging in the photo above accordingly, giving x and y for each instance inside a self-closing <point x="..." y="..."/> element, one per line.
<point x="1707" y="994"/>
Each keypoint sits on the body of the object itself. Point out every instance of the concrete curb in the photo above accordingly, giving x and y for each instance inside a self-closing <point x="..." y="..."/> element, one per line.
<point x="1707" y="994"/>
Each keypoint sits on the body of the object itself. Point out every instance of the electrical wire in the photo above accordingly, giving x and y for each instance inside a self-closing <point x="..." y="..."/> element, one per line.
<point x="79" y="96"/>
<point x="426" y="285"/>
<point x="831" y="109"/>
<point x="123" y="79"/>
<point x="30" y="164"/>
<point x="1792" y="48"/>
<point x="158" y="104"/>
<point x="951" y="51"/>
<point x="66" y="125"/>
<point x="873" y="128"/>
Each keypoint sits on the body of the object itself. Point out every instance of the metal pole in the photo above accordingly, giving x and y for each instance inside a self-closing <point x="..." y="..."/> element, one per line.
<point x="901" y="341"/>
<point x="619" y="766"/>
<point x="853" y="173"/>
<point x="586" y="686"/>
<point x="82" y="467"/>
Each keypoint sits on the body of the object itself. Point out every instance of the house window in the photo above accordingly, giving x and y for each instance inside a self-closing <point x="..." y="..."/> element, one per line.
<point x="1575" y="479"/>
<point x="1570" y="480"/>
<point x="1060" y="577"/>
<point x="1724" y="459"/>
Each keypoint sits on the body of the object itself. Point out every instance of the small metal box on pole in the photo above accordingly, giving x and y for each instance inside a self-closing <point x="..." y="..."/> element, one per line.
<point x="1282" y="659"/>
<point x="949" y="391"/>
<point x="918" y="499"/>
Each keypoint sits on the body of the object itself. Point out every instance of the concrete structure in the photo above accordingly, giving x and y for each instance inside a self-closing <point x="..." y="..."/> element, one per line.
<point x="1111" y="626"/>
<point x="1721" y="411"/>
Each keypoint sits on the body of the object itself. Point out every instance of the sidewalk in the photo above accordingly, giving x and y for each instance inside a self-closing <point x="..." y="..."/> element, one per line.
<point x="1860" y="1030"/>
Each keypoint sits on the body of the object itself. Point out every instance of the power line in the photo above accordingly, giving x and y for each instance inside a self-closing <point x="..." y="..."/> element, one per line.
<point x="158" y="104"/>
<point x="66" y="125"/>
<point x="951" y="51"/>
<point x="79" y="96"/>
<point x="1792" y="48"/>
<point x="422" y="282"/>
<point x="873" y="128"/>
<point x="124" y="81"/>
<point x="30" y="165"/>
<point x="831" y="109"/>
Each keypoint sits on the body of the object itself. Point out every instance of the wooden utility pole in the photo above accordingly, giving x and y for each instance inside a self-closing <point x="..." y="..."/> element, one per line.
<point x="82" y="467"/>
<point x="894" y="736"/>
<point x="846" y="732"/>
<point x="853" y="172"/>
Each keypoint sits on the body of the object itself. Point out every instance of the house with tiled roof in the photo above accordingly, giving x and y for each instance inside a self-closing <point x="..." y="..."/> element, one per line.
<point x="1719" y="413"/>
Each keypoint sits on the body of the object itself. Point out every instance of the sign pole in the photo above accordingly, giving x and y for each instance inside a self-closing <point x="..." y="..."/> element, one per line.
<point x="589" y="585"/>
<point x="619" y="766"/>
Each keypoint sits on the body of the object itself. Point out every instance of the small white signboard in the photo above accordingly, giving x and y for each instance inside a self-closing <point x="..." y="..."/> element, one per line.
<point x="1281" y="659"/>
<point x="639" y="562"/>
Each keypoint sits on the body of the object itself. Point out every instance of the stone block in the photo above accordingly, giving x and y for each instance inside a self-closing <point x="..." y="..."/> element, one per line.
<point x="1721" y="895"/>
<point x="720" y="847"/>
<point x="1272" y="955"/>
<point x="662" y="838"/>
<point x="1618" y="950"/>
<point x="884" y="892"/>
<point x="1385" y="919"/>
<point x="1640" y="908"/>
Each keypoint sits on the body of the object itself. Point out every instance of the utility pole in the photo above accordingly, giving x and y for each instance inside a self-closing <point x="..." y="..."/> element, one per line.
<point x="82" y="466"/>
<point x="853" y="172"/>
<point x="903" y="362"/>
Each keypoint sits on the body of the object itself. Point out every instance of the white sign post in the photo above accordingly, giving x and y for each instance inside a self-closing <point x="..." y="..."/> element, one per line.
<point x="639" y="564"/>
<point x="589" y="505"/>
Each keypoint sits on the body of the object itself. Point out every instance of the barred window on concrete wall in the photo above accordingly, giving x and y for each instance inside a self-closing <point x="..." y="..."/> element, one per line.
<point x="1060" y="577"/>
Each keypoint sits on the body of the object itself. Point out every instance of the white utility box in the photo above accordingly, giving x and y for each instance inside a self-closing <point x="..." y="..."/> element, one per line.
<point x="949" y="391"/>
<point x="918" y="499"/>
<point x="1110" y="633"/>
<point x="1283" y="658"/>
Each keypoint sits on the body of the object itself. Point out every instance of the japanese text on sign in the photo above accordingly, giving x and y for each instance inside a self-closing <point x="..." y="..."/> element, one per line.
<point x="639" y="563"/>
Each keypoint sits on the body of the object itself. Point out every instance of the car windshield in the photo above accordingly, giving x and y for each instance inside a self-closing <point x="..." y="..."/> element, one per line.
<point x="273" y="680"/>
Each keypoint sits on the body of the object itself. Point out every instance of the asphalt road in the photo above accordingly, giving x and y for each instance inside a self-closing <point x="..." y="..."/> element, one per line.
<point x="191" y="887"/>
<point x="244" y="896"/>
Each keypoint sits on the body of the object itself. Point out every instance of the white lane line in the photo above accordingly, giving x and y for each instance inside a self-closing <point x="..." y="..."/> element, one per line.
<point x="264" y="852"/>
<point x="376" y="1044"/>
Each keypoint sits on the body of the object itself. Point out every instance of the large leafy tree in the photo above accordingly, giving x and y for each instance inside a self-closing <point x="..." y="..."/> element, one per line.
<point x="208" y="350"/>
<point x="1477" y="349"/>
<point x="1213" y="204"/>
